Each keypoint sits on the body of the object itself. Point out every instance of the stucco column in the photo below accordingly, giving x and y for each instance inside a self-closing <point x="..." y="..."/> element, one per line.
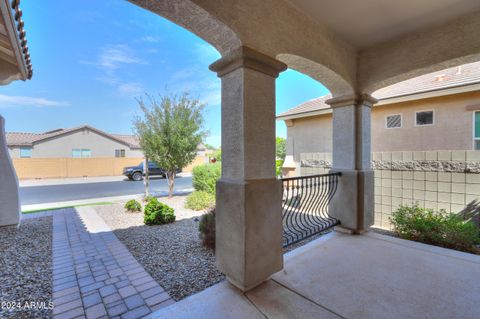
<point x="248" y="212"/>
<point x="353" y="204"/>
<point x="9" y="199"/>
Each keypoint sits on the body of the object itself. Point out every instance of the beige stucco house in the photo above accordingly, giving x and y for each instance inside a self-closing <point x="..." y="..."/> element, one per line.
<point x="78" y="142"/>
<point x="436" y="111"/>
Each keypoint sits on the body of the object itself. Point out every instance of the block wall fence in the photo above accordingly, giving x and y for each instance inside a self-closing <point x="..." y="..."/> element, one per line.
<point x="432" y="179"/>
<point x="43" y="168"/>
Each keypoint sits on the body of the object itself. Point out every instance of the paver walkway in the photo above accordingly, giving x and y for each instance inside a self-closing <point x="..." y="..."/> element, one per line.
<point x="94" y="275"/>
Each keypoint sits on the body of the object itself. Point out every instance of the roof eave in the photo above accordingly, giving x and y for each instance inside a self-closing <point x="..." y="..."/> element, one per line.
<point x="18" y="45"/>
<point x="471" y="87"/>
<point x="304" y="114"/>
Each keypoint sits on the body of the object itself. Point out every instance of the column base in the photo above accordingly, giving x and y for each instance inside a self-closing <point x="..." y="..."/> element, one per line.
<point x="353" y="203"/>
<point x="249" y="230"/>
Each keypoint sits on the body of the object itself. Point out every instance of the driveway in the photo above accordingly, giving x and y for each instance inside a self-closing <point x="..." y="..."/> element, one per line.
<point x="30" y="195"/>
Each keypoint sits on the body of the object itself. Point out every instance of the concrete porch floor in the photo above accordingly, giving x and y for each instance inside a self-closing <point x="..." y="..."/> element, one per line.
<point x="345" y="276"/>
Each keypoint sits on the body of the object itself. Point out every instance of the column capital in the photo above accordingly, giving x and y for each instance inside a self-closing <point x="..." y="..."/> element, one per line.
<point x="245" y="57"/>
<point x="352" y="99"/>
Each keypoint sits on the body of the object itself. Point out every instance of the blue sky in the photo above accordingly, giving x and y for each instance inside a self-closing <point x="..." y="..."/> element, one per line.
<point x="93" y="59"/>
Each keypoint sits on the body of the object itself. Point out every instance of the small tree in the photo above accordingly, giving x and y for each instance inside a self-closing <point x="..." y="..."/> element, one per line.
<point x="170" y="131"/>
<point x="281" y="148"/>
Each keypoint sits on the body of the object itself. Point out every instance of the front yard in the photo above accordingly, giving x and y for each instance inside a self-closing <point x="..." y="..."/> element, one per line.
<point x="173" y="253"/>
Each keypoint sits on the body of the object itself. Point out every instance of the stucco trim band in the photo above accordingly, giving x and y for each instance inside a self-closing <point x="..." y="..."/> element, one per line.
<point x="352" y="99"/>
<point x="245" y="57"/>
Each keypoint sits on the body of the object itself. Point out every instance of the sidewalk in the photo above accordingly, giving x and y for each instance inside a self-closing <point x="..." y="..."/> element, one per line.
<point x="72" y="180"/>
<point x="94" y="274"/>
<point x="79" y="180"/>
<point x="84" y="202"/>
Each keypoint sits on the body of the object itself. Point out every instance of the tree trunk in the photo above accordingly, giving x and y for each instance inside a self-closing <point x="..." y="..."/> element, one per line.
<point x="171" y="183"/>
<point x="146" y="181"/>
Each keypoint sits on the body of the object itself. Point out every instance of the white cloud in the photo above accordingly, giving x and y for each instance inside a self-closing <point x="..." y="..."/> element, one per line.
<point x="15" y="100"/>
<point x="149" y="39"/>
<point x="113" y="56"/>
<point x="110" y="60"/>
<point x="129" y="89"/>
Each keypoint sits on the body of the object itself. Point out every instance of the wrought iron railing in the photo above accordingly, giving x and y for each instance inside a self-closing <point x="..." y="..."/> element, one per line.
<point x="305" y="206"/>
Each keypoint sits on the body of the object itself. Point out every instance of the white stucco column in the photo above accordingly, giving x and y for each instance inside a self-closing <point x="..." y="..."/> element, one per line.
<point x="353" y="204"/>
<point x="248" y="212"/>
<point x="9" y="199"/>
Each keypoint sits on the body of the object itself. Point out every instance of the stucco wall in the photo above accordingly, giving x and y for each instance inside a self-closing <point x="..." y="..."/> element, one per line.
<point x="14" y="152"/>
<point x="452" y="129"/>
<point x="309" y="135"/>
<point x="61" y="147"/>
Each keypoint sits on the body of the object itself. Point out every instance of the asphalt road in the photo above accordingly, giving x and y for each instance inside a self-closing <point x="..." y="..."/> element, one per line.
<point x="30" y="195"/>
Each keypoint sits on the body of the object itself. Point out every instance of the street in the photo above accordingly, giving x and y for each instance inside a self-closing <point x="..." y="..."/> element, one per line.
<point x="68" y="192"/>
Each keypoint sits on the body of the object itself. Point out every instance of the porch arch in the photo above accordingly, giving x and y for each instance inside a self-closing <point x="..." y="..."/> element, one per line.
<point x="336" y="84"/>
<point x="195" y="19"/>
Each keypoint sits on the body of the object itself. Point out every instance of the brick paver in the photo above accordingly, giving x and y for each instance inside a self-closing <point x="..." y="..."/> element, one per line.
<point x="94" y="274"/>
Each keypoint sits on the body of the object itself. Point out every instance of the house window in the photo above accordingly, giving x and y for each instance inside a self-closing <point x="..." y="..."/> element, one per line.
<point x="476" y="136"/>
<point x="119" y="153"/>
<point x="424" y="118"/>
<point x="393" y="121"/>
<point x="81" y="153"/>
<point x="25" y="152"/>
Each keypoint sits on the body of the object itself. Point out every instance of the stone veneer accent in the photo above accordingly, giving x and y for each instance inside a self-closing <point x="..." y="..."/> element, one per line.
<point x="428" y="166"/>
<point x="422" y="166"/>
<point x="316" y="160"/>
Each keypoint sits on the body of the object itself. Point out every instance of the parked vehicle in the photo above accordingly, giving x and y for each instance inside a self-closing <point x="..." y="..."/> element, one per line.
<point x="136" y="172"/>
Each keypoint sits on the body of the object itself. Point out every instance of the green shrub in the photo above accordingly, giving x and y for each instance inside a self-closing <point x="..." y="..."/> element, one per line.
<point x="207" y="229"/>
<point x="157" y="213"/>
<point x="218" y="155"/>
<point x="205" y="177"/>
<point x="148" y="198"/>
<point x="436" y="228"/>
<point x="278" y="167"/>
<point x="199" y="200"/>
<point x="133" y="206"/>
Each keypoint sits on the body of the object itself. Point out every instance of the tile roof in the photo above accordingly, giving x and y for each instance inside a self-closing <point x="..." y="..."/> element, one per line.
<point x="466" y="74"/>
<point x="453" y="77"/>
<point x="313" y="105"/>
<point x="15" y="5"/>
<point x="28" y="139"/>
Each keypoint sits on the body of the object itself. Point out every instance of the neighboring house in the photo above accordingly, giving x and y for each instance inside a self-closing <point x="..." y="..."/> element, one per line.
<point x="78" y="142"/>
<point x="437" y="111"/>
<point x="76" y="152"/>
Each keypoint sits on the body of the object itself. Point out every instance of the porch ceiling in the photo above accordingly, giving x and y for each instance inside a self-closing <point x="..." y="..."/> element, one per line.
<point x="368" y="22"/>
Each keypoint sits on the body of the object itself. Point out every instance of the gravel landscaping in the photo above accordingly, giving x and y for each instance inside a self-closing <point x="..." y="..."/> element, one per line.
<point x="26" y="269"/>
<point x="172" y="254"/>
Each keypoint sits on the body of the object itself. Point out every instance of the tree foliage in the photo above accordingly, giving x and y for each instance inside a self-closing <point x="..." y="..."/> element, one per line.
<point x="169" y="131"/>
<point x="281" y="148"/>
